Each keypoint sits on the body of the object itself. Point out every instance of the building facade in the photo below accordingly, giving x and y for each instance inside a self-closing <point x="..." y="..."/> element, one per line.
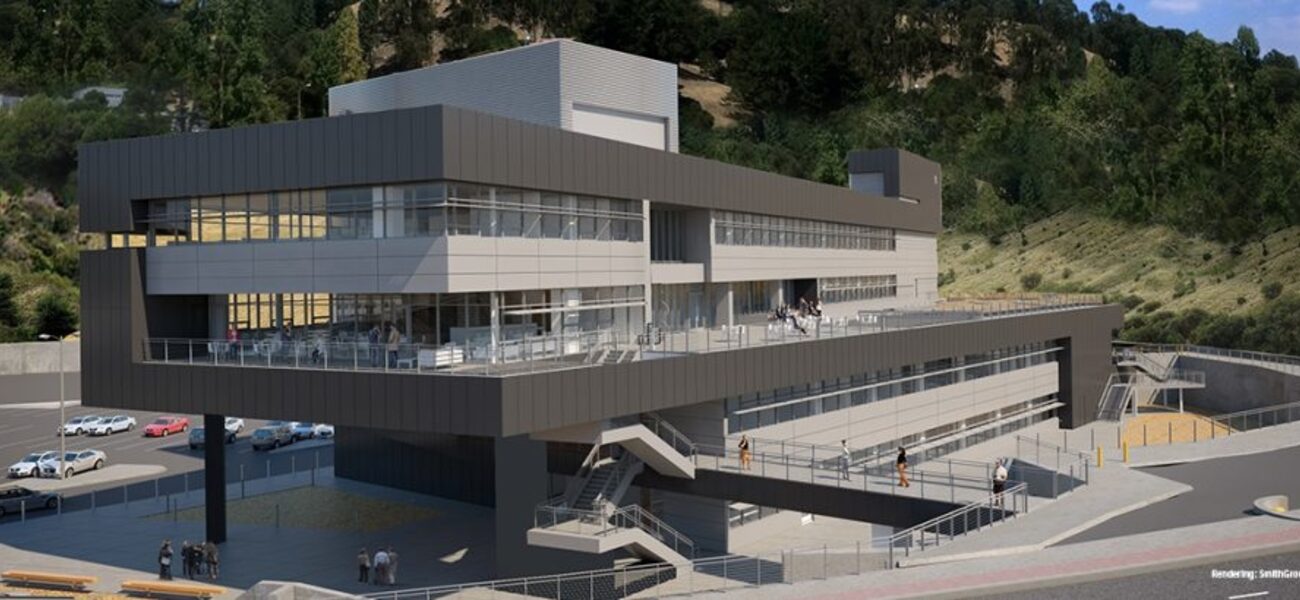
<point x="489" y="273"/>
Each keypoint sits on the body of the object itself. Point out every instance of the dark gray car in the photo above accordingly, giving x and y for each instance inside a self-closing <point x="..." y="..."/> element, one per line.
<point x="271" y="437"/>
<point x="12" y="500"/>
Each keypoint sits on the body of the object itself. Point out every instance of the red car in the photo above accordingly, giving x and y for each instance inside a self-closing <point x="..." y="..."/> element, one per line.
<point x="165" y="426"/>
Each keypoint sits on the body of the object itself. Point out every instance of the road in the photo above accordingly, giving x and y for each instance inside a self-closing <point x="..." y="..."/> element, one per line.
<point x="1223" y="488"/>
<point x="1191" y="583"/>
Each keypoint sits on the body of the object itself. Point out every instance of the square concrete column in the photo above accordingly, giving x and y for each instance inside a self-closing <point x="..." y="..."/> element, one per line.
<point x="214" y="476"/>
<point x="521" y="482"/>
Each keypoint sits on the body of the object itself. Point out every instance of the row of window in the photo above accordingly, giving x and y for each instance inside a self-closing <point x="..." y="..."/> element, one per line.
<point x="747" y="412"/>
<point x="849" y="289"/>
<point x="416" y="210"/>
<point x="745" y="229"/>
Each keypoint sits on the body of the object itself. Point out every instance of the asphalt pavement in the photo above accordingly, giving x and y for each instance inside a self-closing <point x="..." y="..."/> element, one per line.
<point x="1232" y="582"/>
<point x="1222" y="489"/>
<point x="27" y="427"/>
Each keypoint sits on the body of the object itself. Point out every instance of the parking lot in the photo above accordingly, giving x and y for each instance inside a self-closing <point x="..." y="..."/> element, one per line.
<point x="32" y="427"/>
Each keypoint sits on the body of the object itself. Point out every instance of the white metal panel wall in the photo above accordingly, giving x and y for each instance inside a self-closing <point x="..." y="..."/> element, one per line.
<point x="901" y="416"/>
<point x="915" y="261"/>
<point x="397" y="265"/>
<point x="651" y="132"/>
<point x="522" y="83"/>
<point x="598" y="77"/>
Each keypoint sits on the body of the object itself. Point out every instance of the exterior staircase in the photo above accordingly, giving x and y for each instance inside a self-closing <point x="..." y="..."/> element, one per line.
<point x="1141" y="376"/>
<point x="587" y="517"/>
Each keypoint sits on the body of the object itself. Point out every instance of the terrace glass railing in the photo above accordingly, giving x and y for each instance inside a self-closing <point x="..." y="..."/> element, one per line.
<point x="550" y="352"/>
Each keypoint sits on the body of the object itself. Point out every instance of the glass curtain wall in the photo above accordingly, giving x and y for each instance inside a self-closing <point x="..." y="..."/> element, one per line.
<point x="416" y="210"/>
<point x="747" y="229"/>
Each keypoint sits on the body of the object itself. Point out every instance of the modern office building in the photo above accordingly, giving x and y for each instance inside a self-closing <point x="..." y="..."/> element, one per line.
<point x="503" y="284"/>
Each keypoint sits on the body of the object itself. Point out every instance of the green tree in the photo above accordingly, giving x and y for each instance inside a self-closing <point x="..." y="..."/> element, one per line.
<point x="9" y="316"/>
<point x="230" y="70"/>
<point x="54" y="316"/>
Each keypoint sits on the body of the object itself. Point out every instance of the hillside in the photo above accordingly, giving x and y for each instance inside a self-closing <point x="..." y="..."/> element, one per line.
<point x="1075" y="251"/>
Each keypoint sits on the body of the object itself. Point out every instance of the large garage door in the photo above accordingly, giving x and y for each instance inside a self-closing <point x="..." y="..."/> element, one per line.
<point x="650" y="132"/>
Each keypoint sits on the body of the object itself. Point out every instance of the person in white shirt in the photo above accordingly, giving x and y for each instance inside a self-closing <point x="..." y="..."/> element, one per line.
<point x="999" y="481"/>
<point x="846" y="457"/>
<point x="381" y="567"/>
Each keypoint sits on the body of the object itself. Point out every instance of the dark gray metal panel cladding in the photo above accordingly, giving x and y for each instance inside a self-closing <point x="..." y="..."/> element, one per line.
<point x="118" y="317"/>
<point x="460" y="144"/>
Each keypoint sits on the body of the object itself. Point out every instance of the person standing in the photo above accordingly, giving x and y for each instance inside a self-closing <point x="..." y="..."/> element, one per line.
<point x="392" y="566"/>
<point x="213" y="559"/>
<point x="845" y="458"/>
<point x="186" y="565"/>
<point x="901" y="465"/>
<point x="744" y="452"/>
<point x="165" y="560"/>
<point x="363" y="566"/>
<point x="373" y="338"/>
<point x="394" y="339"/>
<point x="999" y="481"/>
<point x="381" y="567"/>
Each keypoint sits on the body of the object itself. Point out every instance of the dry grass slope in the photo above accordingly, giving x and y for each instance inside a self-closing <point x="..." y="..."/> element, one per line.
<point x="1075" y="251"/>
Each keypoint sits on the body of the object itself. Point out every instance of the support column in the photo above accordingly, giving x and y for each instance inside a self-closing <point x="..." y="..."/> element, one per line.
<point x="495" y="313"/>
<point x="521" y="480"/>
<point x="214" y="476"/>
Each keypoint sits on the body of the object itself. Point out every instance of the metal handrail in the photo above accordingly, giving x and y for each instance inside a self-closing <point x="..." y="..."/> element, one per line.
<point x="668" y="433"/>
<point x="631" y="516"/>
<point x="1018" y="492"/>
<point x="1268" y="357"/>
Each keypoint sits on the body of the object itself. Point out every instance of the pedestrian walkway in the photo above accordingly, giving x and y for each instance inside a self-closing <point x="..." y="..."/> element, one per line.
<point x="1249" y="536"/>
<point x="1250" y="442"/>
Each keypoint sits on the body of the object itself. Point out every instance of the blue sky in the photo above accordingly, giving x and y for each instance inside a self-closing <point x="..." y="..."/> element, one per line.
<point x="1276" y="22"/>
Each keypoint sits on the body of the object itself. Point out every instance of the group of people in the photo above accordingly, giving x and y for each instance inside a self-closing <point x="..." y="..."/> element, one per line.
<point x="391" y="339"/>
<point x="383" y="564"/>
<point x="197" y="560"/>
<point x="794" y="315"/>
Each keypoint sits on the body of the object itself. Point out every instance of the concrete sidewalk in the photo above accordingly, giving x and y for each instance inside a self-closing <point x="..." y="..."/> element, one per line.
<point x="1114" y="557"/>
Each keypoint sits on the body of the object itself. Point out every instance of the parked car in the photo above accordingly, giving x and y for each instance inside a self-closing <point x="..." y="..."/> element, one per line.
<point x="167" y="425"/>
<point x="234" y="424"/>
<point x="271" y="437"/>
<point x="29" y="465"/>
<point x="290" y="424"/>
<point x="307" y="431"/>
<point x="111" y="425"/>
<point x="78" y="425"/>
<point x="74" y="462"/>
<point x="199" y="434"/>
<point x="14" y="500"/>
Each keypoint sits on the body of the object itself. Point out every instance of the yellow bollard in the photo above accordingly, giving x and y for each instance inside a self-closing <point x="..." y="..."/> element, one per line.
<point x="1101" y="458"/>
<point x="1126" y="452"/>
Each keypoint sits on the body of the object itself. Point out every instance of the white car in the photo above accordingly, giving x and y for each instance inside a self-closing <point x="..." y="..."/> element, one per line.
<point x="27" y="467"/>
<point x="79" y="425"/>
<point x="74" y="462"/>
<point x="113" y="424"/>
<point x="234" y="424"/>
<point x="306" y="431"/>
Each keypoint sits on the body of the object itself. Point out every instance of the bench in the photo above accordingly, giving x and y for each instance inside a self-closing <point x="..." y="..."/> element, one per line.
<point x="76" y="582"/>
<point x="173" y="588"/>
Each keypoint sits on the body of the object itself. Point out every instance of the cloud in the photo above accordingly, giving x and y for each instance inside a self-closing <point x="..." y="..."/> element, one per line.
<point x="1176" y="6"/>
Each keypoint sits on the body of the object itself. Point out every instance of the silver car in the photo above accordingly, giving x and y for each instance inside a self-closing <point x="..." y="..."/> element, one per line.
<point x="74" y="462"/>
<point x="14" y="500"/>
<point x="29" y="466"/>
<point x="79" y="425"/>
<point x="271" y="437"/>
<point x="111" y="425"/>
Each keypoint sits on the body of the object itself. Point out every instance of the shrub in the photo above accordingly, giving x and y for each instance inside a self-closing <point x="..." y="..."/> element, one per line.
<point x="1184" y="287"/>
<point x="1151" y="306"/>
<point x="1241" y="300"/>
<point x="1002" y="289"/>
<point x="1029" y="281"/>
<point x="965" y="246"/>
<point x="1207" y="256"/>
<point x="54" y="316"/>
<point x="946" y="278"/>
<point x="1066" y="273"/>
<point x="1131" y="301"/>
<point x="1271" y="290"/>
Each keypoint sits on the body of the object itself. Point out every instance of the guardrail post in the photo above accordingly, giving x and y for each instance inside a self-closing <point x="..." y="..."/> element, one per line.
<point x="1171" y="432"/>
<point x="241" y="482"/>
<point x="22" y="511"/>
